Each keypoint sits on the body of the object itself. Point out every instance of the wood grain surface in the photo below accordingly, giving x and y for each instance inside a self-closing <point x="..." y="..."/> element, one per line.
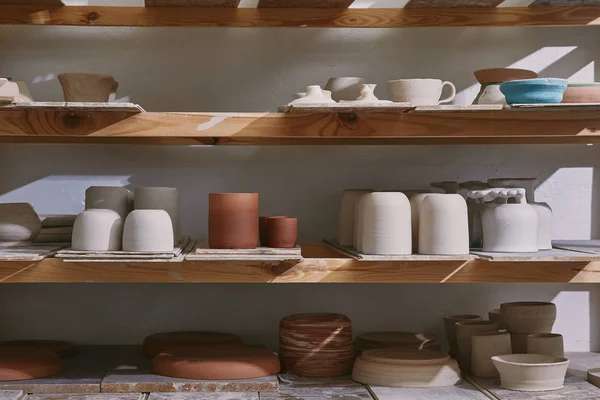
<point x="294" y="17"/>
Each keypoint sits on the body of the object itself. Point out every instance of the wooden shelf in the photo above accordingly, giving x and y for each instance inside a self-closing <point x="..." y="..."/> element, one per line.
<point x="548" y="125"/>
<point x="321" y="265"/>
<point x="308" y="17"/>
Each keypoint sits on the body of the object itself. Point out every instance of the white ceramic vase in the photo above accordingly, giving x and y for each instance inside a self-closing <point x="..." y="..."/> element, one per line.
<point x="543" y="210"/>
<point x="97" y="230"/>
<point x="420" y="92"/>
<point x="508" y="228"/>
<point x="148" y="230"/>
<point x="345" y="88"/>
<point x="347" y="215"/>
<point x="18" y="222"/>
<point x="114" y="198"/>
<point x="443" y="225"/>
<point x="161" y="198"/>
<point x="483" y="347"/>
<point x="314" y="95"/>
<point x="386" y="227"/>
<point x="550" y="344"/>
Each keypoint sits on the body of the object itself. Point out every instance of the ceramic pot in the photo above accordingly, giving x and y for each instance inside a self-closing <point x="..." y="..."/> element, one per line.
<point x="345" y="88"/>
<point x="420" y="92"/>
<point x="114" y="198"/>
<point x="20" y="363"/>
<point x="233" y="220"/>
<point x="582" y="92"/>
<point x="528" y="316"/>
<point x="443" y="225"/>
<point x="406" y="368"/>
<point x="519" y="342"/>
<point x="358" y="220"/>
<point x="314" y="95"/>
<point x="450" y="328"/>
<point x="593" y="377"/>
<point x="18" y="222"/>
<point x="386" y="227"/>
<point x="475" y="208"/>
<point x="534" y="91"/>
<point x="494" y="315"/>
<point x="490" y="94"/>
<point x="149" y="231"/>
<point x="97" y="230"/>
<point x="531" y="372"/>
<point x="483" y="347"/>
<point x="508" y="228"/>
<point x="550" y="344"/>
<point x="81" y="87"/>
<point x="464" y="331"/>
<point x="161" y="198"/>
<point x="347" y="215"/>
<point x="282" y="232"/>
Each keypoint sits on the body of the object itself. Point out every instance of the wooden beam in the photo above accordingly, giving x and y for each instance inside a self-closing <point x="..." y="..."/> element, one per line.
<point x="299" y="17"/>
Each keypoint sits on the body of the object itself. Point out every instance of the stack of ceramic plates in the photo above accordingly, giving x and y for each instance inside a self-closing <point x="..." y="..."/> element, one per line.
<point x="317" y="345"/>
<point x="394" y="340"/>
<point x="406" y="368"/>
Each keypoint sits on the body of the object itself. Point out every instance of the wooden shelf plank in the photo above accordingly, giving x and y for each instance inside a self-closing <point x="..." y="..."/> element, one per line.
<point x="524" y="125"/>
<point x="299" y="17"/>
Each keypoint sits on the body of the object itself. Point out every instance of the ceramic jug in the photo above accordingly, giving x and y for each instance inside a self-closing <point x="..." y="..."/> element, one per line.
<point x="543" y="210"/>
<point x="443" y="225"/>
<point x="507" y="228"/>
<point x="386" y="227"/>
<point x="314" y="95"/>
<point x="346" y="217"/>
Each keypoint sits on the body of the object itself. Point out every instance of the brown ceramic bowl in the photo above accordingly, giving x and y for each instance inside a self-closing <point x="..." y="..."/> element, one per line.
<point x="233" y="220"/>
<point x="282" y="232"/>
<point x="499" y="75"/>
<point x="582" y="93"/>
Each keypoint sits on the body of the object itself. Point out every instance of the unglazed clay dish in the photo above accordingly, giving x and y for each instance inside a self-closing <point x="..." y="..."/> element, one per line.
<point x="160" y="342"/>
<point x="394" y="340"/>
<point x="499" y="75"/>
<point x="531" y="372"/>
<point x="19" y="363"/>
<point x="582" y="92"/>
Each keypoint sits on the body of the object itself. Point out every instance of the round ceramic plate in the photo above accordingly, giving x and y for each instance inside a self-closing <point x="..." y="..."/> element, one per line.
<point x="405" y="357"/>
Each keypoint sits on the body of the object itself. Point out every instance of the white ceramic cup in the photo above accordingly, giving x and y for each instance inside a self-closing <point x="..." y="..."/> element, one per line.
<point x="114" y="198"/>
<point x="420" y="92"/>
<point x="443" y="225"/>
<point x="161" y="198"/>
<point x="386" y="227"/>
<point x="97" y="230"/>
<point x="347" y="213"/>
<point x="345" y="88"/>
<point x="148" y="230"/>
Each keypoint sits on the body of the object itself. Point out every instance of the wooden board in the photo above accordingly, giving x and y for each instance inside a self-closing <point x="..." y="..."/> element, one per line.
<point x="582" y="246"/>
<point x="292" y="17"/>
<point x="347" y="108"/>
<point x="11" y="268"/>
<point x="132" y="372"/>
<point x="319" y="388"/>
<point x="557" y="255"/>
<point x="575" y="389"/>
<point x="203" y="253"/>
<point x="180" y="249"/>
<point x="12" y="394"/>
<point x="459" y="107"/>
<point x="28" y="252"/>
<point x="203" y="396"/>
<point x="33" y="2"/>
<point x="305" y="3"/>
<point x="452" y="3"/>
<point x="74" y="106"/>
<point x="192" y="3"/>
<point x="399" y="257"/>
<point x="98" y="396"/>
<point x="461" y="391"/>
<point x="545" y="3"/>
<point x="81" y="373"/>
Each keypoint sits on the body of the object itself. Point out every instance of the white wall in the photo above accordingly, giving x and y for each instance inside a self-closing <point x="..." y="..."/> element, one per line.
<point x="171" y="69"/>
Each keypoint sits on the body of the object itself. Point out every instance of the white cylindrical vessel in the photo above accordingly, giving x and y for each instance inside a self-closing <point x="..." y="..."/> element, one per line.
<point x="358" y="221"/>
<point x="148" y="230"/>
<point x="443" y="225"/>
<point x="114" y="198"/>
<point x="97" y="230"/>
<point x="161" y="198"/>
<point x="386" y="227"/>
<point x="347" y="216"/>
<point x="415" y="208"/>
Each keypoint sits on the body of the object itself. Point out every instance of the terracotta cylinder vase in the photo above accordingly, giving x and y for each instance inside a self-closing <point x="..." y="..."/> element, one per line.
<point x="464" y="331"/>
<point x="233" y="220"/>
<point x="550" y="344"/>
<point x="386" y="227"/>
<point x="114" y="198"/>
<point x="483" y="347"/>
<point x="443" y="225"/>
<point x="450" y="328"/>
<point x="161" y="198"/>
<point x="83" y="87"/>
<point x="282" y="232"/>
<point x="97" y="230"/>
<point x="347" y="216"/>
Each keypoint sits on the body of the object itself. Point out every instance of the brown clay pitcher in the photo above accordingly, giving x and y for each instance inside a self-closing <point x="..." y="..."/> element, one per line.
<point x="282" y="232"/>
<point x="233" y="220"/>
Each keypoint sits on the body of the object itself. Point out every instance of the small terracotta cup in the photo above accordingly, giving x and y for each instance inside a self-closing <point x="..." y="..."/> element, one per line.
<point x="282" y="232"/>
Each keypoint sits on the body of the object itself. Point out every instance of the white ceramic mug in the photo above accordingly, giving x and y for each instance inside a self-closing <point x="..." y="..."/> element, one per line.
<point x="161" y="198"/>
<point x="420" y="92"/>
<point x="386" y="227"/>
<point x="148" y="230"/>
<point x="345" y="88"/>
<point x="97" y="230"/>
<point x="443" y="225"/>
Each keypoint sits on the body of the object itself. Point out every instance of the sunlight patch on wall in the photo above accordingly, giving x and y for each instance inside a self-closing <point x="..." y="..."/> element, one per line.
<point x="574" y="310"/>
<point x="585" y="74"/>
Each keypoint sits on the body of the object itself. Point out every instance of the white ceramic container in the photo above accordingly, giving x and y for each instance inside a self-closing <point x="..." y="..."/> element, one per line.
<point x="18" y="222"/>
<point x="97" y="230"/>
<point x="464" y="332"/>
<point x="347" y="215"/>
<point x="550" y="344"/>
<point x="114" y="198"/>
<point x="531" y="372"/>
<point x="161" y="198"/>
<point x="148" y="230"/>
<point x="483" y="347"/>
<point x="528" y="316"/>
<point x="420" y="92"/>
<point x="543" y="210"/>
<point x="509" y="227"/>
<point x="345" y="88"/>
<point x="386" y="227"/>
<point x="358" y="220"/>
<point x="443" y="225"/>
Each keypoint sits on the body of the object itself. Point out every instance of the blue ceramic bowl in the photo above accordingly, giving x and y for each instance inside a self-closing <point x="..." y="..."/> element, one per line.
<point x="534" y="91"/>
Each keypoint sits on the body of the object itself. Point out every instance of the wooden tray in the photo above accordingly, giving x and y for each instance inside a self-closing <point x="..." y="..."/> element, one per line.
<point x="558" y="255"/>
<point x="28" y="252"/>
<point x="344" y="107"/>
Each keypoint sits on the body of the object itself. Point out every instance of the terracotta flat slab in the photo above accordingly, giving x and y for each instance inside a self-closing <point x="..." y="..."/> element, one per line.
<point x="81" y="373"/>
<point x="203" y="396"/>
<point x="462" y="391"/>
<point x="575" y="388"/>
<point x="132" y="372"/>
<point x="308" y="388"/>
<point x="99" y="396"/>
<point x="12" y="394"/>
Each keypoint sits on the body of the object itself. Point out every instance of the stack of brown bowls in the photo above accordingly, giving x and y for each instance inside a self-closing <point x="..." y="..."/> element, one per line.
<point x="317" y="345"/>
<point x="523" y="318"/>
<point x="394" y="340"/>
